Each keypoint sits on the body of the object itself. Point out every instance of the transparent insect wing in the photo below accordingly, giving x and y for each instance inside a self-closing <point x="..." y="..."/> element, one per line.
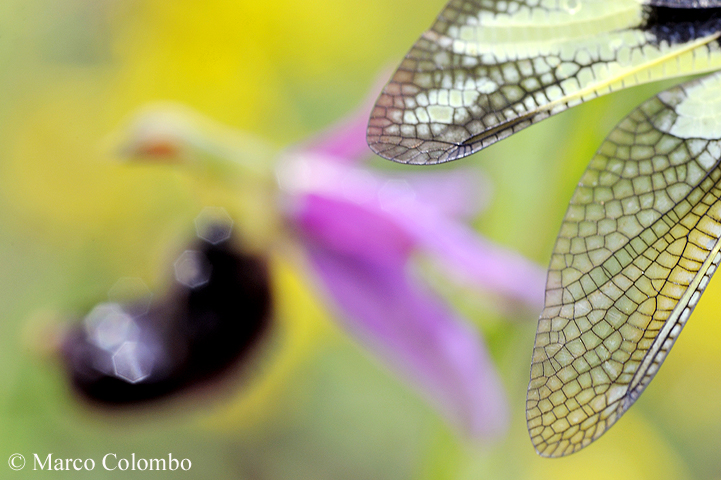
<point x="487" y="69"/>
<point x="685" y="3"/>
<point x="636" y="250"/>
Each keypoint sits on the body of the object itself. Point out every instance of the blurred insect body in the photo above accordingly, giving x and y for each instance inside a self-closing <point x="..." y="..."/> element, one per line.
<point x="213" y="316"/>
<point x="639" y="242"/>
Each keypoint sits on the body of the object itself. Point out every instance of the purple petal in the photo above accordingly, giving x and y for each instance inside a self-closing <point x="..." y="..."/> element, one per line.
<point x="421" y="213"/>
<point x="349" y="228"/>
<point x="361" y="259"/>
<point x="458" y="193"/>
<point x="469" y="257"/>
<point x="417" y="336"/>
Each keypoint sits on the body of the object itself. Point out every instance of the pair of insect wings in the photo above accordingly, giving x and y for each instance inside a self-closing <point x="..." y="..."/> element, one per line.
<point x="639" y="242"/>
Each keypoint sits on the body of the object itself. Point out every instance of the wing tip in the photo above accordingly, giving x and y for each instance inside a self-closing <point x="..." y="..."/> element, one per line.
<point x="554" y="445"/>
<point x="409" y="151"/>
<point x="385" y="137"/>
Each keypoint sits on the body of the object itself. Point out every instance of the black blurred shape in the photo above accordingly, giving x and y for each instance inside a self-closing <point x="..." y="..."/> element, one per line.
<point x="675" y="25"/>
<point x="191" y="337"/>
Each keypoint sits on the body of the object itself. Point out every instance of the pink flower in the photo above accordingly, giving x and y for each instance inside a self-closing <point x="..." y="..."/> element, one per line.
<point x="363" y="231"/>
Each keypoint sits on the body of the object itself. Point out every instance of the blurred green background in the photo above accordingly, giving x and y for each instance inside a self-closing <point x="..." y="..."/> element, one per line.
<point x="317" y="406"/>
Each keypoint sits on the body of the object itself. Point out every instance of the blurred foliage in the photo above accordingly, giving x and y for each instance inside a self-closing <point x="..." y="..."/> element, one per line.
<point x="73" y="220"/>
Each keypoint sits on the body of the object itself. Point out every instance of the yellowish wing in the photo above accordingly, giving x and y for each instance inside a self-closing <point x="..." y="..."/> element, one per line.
<point x="488" y="68"/>
<point x="636" y="250"/>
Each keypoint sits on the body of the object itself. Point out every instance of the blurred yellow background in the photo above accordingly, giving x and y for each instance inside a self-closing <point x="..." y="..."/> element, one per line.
<point x="73" y="220"/>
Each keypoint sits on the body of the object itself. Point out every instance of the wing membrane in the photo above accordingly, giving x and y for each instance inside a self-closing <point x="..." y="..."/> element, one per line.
<point x="487" y="69"/>
<point x="685" y="3"/>
<point x="636" y="250"/>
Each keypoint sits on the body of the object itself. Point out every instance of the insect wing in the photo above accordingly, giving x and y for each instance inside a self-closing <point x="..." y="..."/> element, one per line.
<point x="636" y="250"/>
<point x="685" y="3"/>
<point x="487" y="69"/>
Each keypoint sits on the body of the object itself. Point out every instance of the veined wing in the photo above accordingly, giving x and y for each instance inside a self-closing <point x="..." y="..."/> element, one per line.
<point x="685" y="3"/>
<point x="636" y="250"/>
<point x="488" y="68"/>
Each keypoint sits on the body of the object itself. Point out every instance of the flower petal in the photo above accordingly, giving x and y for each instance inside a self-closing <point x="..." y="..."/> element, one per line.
<point x="417" y="336"/>
<point x="349" y="228"/>
<point x="361" y="259"/>
<point x="466" y="255"/>
<point x="396" y="203"/>
<point x="459" y="193"/>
